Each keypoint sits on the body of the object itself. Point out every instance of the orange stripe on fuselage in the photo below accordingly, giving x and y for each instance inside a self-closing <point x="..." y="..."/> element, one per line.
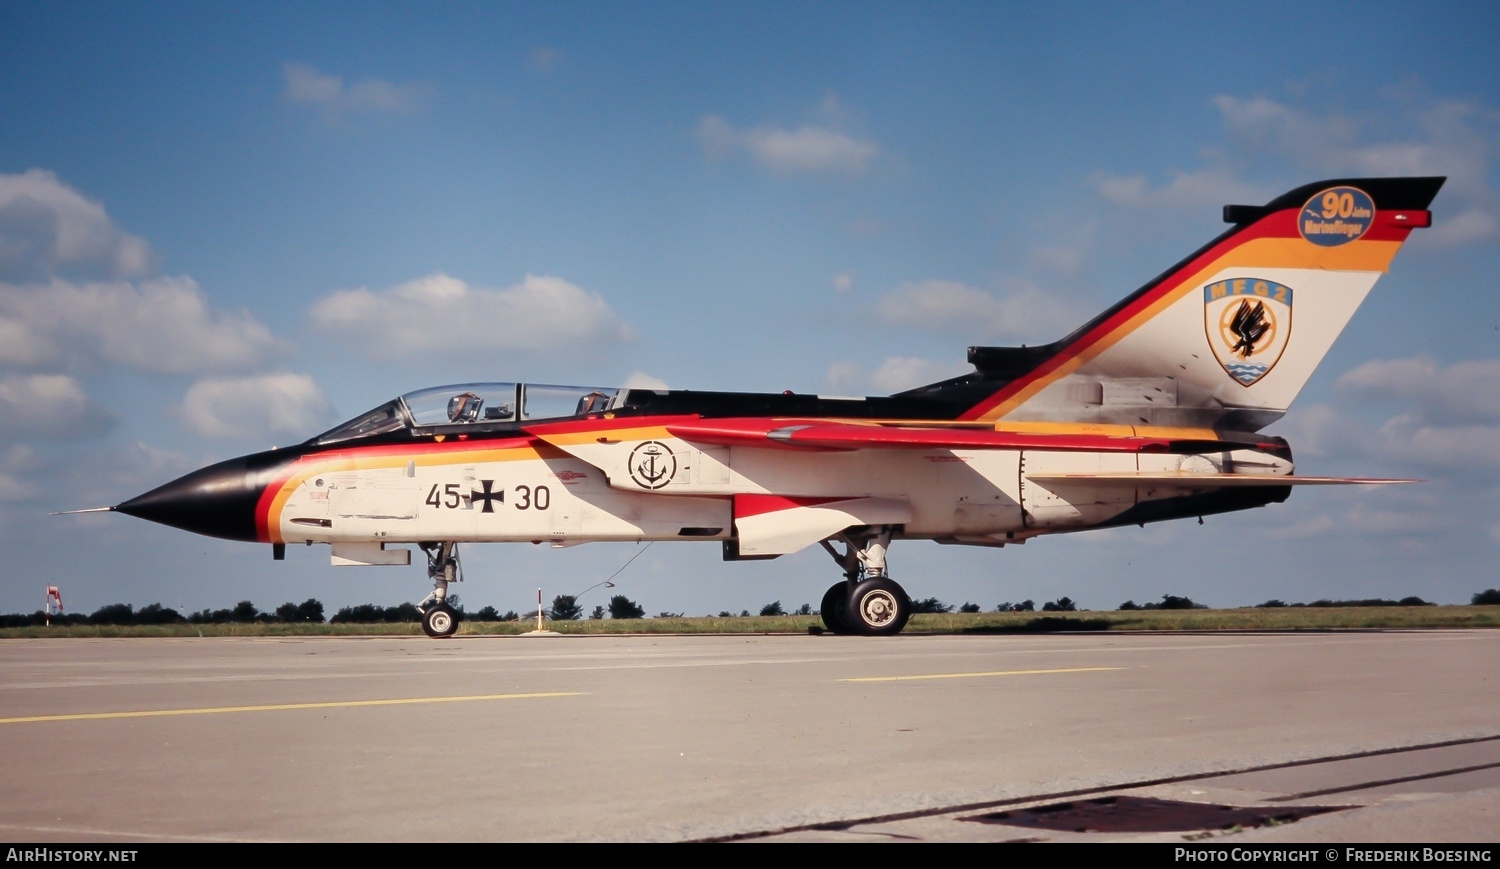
<point x="1364" y="255"/>
<point x="451" y="452"/>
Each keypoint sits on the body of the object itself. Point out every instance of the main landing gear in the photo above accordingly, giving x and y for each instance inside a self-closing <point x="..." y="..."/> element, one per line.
<point x="438" y="619"/>
<point x="866" y="601"/>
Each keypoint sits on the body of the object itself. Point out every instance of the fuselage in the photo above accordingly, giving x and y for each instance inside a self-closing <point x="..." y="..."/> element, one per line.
<point x="627" y="471"/>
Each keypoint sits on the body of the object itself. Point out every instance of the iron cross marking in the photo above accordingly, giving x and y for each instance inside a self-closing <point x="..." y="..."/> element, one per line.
<point x="487" y="496"/>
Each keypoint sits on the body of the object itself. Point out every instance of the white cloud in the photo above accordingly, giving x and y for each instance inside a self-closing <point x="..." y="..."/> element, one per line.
<point x="1412" y="136"/>
<point x="810" y="149"/>
<point x="897" y="373"/>
<point x="1212" y="186"/>
<point x="1467" y="391"/>
<point x="306" y="86"/>
<point x="894" y="374"/>
<point x="951" y="306"/>
<point x="256" y="407"/>
<point x="1448" y="422"/>
<point x="163" y="326"/>
<point x="44" y="404"/>
<point x="1472" y="450"/>
<point x="1448" y="137"/>
<point x="12" y="489"/>
<point x="845" y="377"/>
<point x="439" y="313"/>
<point x="48" y="228"/>
<point x="1439" y="138"/>
<point x="843" y="282"/>
<point x="1372" y="519"/>
<point x="641" y="380"/>
<point x="73" y="293"/>
<point x="1471" y="225"/>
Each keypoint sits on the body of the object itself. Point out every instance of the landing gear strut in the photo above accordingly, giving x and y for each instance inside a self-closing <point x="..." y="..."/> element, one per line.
<point x="867" y="601"/>
<point x="438" y="619"/>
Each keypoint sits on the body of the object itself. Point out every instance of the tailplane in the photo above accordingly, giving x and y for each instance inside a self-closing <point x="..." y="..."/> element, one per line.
<point x="1227" y="337"/>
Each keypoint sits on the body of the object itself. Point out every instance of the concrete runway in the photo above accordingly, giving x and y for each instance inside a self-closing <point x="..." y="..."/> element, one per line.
<point x="754" y="738"/>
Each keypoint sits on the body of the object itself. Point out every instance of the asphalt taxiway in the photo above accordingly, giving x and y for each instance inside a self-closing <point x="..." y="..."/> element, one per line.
<point x="1389" y="736"/>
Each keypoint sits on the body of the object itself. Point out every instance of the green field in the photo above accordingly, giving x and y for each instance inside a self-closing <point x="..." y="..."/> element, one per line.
<point x="1247" y="619"/>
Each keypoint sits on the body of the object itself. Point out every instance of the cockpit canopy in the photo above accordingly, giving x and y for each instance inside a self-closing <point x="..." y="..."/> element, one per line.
<point x="442" y="409"/>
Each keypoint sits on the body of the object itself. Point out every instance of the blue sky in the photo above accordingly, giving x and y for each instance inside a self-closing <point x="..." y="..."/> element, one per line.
<point x="224" y="227"/>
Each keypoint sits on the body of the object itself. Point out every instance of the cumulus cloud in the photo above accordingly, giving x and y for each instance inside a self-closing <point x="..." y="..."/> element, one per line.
<point x="74" y="292"/>
<point x="1464" y="392"/>
<point x="1449" y="422"/>
<point x="1213" y="186"/>
<point x="642" y="380"/>
<point x="810" y="149"/>
<point x="897" y="373"/>
<point x="1410" y="136"/>
<point x="1439" y="138"/>
<point x="44" y="404"/>
<point x="306" y="86"/>
<point x="951" y="306"/>
<point x="894" y="374"/>
<point x="440" y="313"/>
<point x="161" y="326"/>
<point x="256" y="407"/>
<point x="47" y="228"/>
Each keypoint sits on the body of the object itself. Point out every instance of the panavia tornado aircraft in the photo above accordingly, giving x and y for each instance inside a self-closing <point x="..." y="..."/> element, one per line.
<point x="1150" y="411"/>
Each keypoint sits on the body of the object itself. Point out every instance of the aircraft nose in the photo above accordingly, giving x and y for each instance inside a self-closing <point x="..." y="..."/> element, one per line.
<point x="218" y="501"/>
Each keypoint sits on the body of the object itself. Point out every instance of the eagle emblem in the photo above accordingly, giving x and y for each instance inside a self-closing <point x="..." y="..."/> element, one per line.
<point x="1248" y="322"/>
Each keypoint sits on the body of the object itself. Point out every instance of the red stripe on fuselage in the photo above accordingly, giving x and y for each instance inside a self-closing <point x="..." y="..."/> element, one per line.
<point x="381" y="451"/>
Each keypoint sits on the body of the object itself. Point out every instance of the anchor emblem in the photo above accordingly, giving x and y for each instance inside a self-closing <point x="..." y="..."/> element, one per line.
<point x="652" y="465"/>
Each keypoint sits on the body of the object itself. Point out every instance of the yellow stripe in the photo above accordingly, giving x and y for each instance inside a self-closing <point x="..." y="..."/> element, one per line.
<point x="1366" y="256"/>
<point x="978" y="675"/>
<point x="281" y="707"/>
<point x="333" y="463"/>
<point x="642" y="433"/>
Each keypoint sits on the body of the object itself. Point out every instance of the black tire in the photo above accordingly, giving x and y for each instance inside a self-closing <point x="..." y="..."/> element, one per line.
<point x="878" y="608"/>
<point x="439" y="621"/>
<point x="833" y="606"/>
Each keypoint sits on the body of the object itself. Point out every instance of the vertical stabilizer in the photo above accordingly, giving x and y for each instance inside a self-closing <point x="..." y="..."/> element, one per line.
<point x="1229" y="336"/>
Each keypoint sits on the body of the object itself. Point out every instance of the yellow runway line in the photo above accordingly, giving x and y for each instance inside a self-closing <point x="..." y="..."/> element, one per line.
<point x="978" y="675"/>
<point x="279" y="707"/>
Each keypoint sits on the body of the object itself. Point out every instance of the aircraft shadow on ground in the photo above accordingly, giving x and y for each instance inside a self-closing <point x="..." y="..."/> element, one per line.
<point x="1046" y="624"/>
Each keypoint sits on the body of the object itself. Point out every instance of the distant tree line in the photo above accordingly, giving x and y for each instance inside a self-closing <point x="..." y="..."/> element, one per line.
<point x="1373" y="601"/>
<point x="310" y="611"/>
<point x="566" y="608"/>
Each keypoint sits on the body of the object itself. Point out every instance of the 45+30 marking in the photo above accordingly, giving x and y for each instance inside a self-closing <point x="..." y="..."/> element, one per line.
<point x="452" y="497"/>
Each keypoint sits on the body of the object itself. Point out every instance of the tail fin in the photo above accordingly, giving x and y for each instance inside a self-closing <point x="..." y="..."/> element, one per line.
<point x="1227" y="337"/>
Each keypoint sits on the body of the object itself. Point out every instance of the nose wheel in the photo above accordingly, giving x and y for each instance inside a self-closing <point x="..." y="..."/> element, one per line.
<point x="439" y="620"/>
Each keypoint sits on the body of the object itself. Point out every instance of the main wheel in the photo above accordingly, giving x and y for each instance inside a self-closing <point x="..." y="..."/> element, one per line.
<point x="833" y="606"/>
<point x="439" y="621"/>
<point x="878" y="607"/>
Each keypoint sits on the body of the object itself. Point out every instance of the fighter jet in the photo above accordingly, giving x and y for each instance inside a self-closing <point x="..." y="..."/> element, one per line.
<point x="1150" y="411"/>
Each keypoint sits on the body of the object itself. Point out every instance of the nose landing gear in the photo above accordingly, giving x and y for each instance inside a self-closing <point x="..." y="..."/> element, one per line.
<point x="439" y="620"/>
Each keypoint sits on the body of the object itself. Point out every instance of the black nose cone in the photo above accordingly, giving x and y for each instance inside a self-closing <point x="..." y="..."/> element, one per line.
<point x="218" y="501"/>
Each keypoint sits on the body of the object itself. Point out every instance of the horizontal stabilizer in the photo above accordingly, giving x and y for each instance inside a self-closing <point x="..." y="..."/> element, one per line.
<point x="85" y="510"/>
<point x="1206" y="481"/>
